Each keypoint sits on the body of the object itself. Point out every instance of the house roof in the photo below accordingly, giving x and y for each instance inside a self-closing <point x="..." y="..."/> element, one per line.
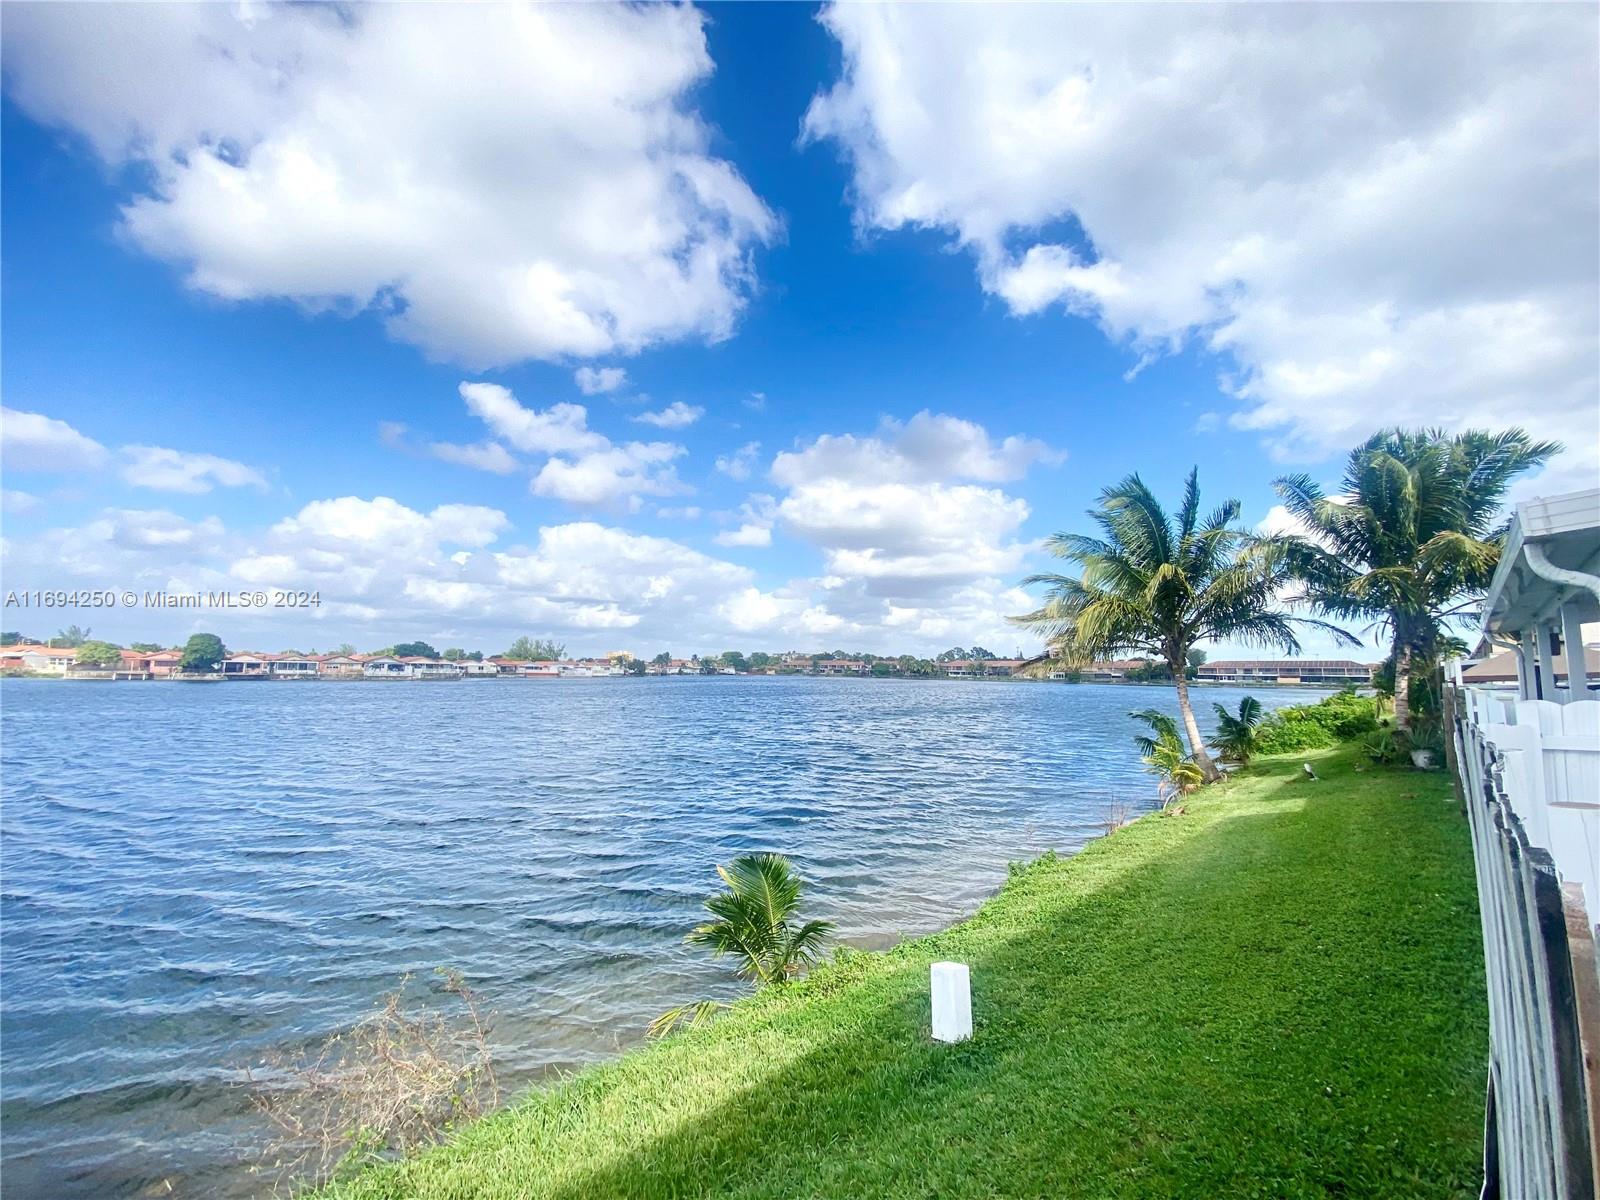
<point x="1286" y="664"/>
<point x="1502" y="667"/>
<point x="1566" y="529"/>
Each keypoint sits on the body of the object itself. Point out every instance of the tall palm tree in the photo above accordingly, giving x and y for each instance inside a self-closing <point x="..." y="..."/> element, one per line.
<point x="1157" y="583"/>
<point x="755" y="920"/>
<point x="1412" y="539"/>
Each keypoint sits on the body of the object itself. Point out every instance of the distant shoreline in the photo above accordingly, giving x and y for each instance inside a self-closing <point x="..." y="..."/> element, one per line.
<point x="44" y="676"/>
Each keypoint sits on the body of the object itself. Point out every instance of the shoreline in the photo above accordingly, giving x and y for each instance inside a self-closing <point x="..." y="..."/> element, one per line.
<point x="1121" y="979"/>
<point x="127" y="677"/>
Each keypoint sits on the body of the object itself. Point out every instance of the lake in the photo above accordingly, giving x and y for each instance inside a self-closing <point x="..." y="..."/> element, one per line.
<point x="194" y="875"/>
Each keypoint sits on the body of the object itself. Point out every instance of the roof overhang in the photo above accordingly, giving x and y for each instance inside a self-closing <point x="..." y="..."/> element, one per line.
<point x="1564" y="531"/>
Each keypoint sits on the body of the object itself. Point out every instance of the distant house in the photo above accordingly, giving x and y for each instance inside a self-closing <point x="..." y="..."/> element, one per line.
<point x="294" y="666"/>
<point x="840" y="666"/>
<point x="972" y="668"/>
<point x="133" y="662"/>
<point x="675" y="666"/>
<point x="342" y="666"/>
<point x="432" y="668"/>
<point x="1111" y="670"/>
<point x="162" y="663"/>
<point x="385" y="666"/>
<point x="247" y="666"/>
<point x="41" y="660"/>
<point x="478" y="670"/>
<point x="1334" y="672"/>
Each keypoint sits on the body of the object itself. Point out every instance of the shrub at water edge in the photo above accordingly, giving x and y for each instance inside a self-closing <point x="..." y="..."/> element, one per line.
<point x="1339" y="718"/>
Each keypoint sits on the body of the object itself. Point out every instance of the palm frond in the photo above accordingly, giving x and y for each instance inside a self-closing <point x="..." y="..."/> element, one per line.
<point x="689" y="1015"/>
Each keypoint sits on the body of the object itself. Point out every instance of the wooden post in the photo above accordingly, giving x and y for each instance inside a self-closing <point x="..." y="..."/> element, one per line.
<point x="952" y="1002"/>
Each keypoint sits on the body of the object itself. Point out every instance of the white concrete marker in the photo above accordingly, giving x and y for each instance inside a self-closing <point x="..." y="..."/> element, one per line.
<point x="952" y="1002"/>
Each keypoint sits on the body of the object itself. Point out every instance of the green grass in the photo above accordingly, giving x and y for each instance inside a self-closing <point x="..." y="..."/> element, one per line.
<point x="1278" y="993"/>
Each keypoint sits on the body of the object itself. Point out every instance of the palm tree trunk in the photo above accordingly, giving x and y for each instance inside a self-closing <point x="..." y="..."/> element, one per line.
<point x="1402" y="686"/>
<point x="1191" y="729"/>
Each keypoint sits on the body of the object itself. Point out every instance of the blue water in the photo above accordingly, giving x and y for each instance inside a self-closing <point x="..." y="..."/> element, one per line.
<point x="196" y="874"/>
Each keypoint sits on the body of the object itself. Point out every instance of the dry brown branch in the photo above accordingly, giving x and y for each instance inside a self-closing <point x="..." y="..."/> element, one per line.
<point x="395" y="1081"/>
<point x="1114" y="817"/>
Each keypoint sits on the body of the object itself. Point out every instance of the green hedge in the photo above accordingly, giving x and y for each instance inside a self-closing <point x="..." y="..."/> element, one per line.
<point x="1339" y="718"/>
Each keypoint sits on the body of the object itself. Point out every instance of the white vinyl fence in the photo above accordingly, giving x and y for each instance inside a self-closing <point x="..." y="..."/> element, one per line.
<point x="1530" y="775"/>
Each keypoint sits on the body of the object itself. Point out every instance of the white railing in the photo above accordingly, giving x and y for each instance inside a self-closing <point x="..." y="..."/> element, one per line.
<point x="1530" y="776"/>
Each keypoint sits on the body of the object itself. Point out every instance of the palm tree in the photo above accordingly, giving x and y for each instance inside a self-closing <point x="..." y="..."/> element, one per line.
<point x="1164" y="758"/>
<point x="755" y="919"/>
<point x="1413" y="538"/>
<point x="1235" y="739"/>
<point x="1157" y="584"/>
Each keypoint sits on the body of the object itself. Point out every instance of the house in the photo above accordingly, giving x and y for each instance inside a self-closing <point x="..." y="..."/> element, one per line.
<point x="432" y="668"/>
<point x="1334" y="672"/>
<point x="294" y="666"/>
<point x="40" y="660"/>
<point x="839" y="666"/>
<point x="247" y="666"/>
<point x="163" y="663"/>
<point x="972" y="668"/>
<point x="1111" y="670"/>
<point x="385" y="666"/>
<point x="341" y="666"/>
<point x="675" y="666"/>
<point x="478" y="670"/>
<point x="132" y="662"/>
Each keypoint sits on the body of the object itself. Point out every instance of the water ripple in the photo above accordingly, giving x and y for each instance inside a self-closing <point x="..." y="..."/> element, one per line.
<point x="196" y="875"/>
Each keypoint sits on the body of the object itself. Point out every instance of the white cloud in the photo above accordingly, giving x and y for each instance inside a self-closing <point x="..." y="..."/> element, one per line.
<point x="1382" y="218"/>
<point x="385" y="571"/>
<point x="119" y="548"/>
<point x="741" y="462"/>
<point x="350" y="521"/>
<point x="676" y="415"/>
<point x="750" y="533"/>
<point x="35" y="442"/>
<point x="481" y="456"/>
<point x="594" y="381"/>
<point x="559" y="429"/>
<point x="614" y="475"/>
<point x="910" y="551"/>
<point x="756" y="401"/>
<point x="687" y="512"/>
<point x="899" y="533"/>
<point x="755" y="516"/>
<point x="585" y="468"/>
<point x="557" y="197"/>
<point x="927" y="447"/>
<point x="165" y="470"/>
<point x="18" y="503"/>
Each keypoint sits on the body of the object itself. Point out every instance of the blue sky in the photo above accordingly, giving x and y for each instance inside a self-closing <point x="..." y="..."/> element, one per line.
<point x="988" y="217"/>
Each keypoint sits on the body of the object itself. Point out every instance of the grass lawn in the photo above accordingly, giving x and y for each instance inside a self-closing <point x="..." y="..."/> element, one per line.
<point x="1277" y="994"/>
